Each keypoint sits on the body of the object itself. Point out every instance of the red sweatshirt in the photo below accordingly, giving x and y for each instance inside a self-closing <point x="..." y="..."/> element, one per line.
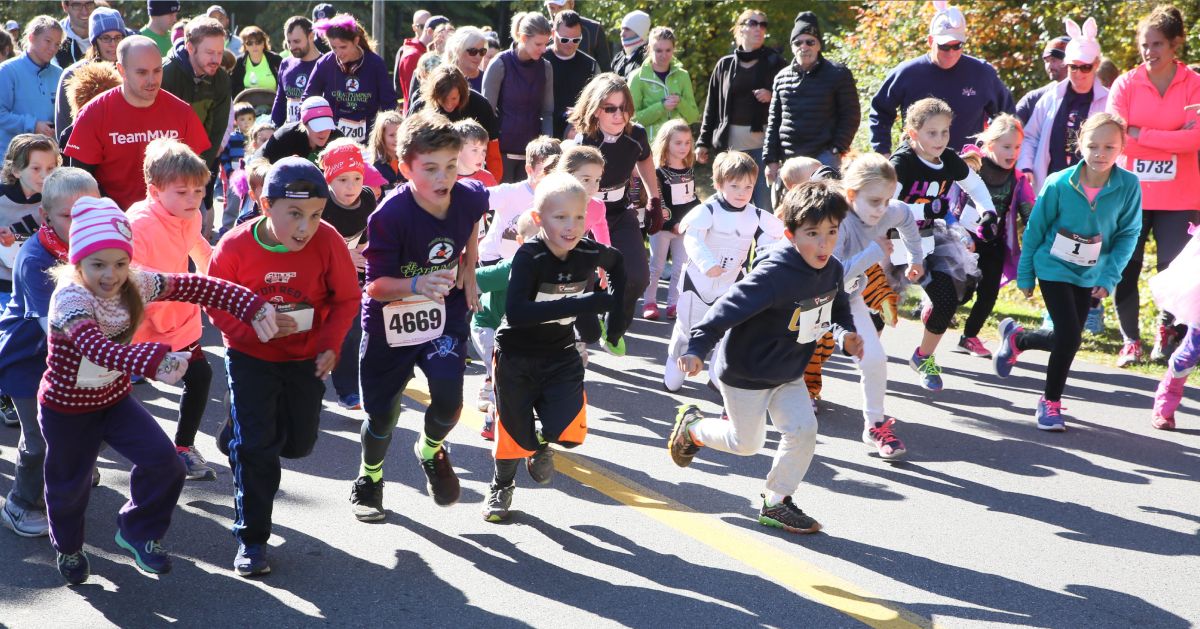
<point x="320" y="276"/>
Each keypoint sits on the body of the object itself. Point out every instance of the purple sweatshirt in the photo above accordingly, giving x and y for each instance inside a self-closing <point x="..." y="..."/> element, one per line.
<point x="355" y="98"/>
<point x="293" y="78"/>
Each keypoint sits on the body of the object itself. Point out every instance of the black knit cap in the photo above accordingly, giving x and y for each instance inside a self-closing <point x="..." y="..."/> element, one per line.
<point x="807" y="24"/>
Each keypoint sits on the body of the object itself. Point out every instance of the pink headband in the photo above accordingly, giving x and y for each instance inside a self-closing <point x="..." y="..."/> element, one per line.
<point x="343" y="21"/>
<point x="343" y="159"/>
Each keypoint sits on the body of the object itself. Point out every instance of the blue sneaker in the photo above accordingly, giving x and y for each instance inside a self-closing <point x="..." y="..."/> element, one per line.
<point x="931" y="374"/>
<point x="352" y="402"/>
<point x="74" y="567"/>
<point x="150" y="555"/>
<point x="1005" y="357"/>
<point x="1049" y="416"/>
<point x="251" y="560"/>
<point x="1095" y="320"/>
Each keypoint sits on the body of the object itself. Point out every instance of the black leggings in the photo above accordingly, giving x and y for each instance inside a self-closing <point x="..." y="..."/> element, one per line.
<point x="626" y="235"/>
<point x="991" y="268"/>
<point x="1170" y="234"/>
<point x="441" y="416"/>
<point x="1068" y="306"/>
<point x="944" y="297"/>
<point x="196" y="382"/>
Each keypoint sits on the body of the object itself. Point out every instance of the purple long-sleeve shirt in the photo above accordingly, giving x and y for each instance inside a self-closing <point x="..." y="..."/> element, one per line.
<point x="356" y="98"/>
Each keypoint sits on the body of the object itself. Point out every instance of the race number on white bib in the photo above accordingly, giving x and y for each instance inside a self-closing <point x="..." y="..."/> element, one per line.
<point x="293" y="109"/>
<point x="354" y="129"/>
<point x="609" y="196"/>
<point x="93" y="376"/>
<point x="1155" y="169"/>
<point x="301" y="313"/>
<point x="683" y="192"/>
<point x="813" y="317"/>
<point x="900" y="254"/>
<point x="1076" y="249"/>
<point x="413" y="321"/>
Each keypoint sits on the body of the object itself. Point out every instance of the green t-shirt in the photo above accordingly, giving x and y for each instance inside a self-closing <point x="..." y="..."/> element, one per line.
<point x="163" y="41"/>
<point x="258" y="76"/>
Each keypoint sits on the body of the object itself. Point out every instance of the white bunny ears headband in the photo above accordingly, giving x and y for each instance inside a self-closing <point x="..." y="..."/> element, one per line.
<point x="1083" y="46"/>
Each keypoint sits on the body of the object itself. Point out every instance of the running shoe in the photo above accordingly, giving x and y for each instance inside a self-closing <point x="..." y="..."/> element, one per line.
<point x="650" y="312"/>
<point x="499" y="500"/>
<point x="74" y="567"/>
<point x="8" y="412"/>
<point x="540" y="465"/>
<point x="486" y="396"/>
<point x="1131" y="352"/>
<point x="352" y="402"/>
<point x="973" y="346"/>
<point x="1166" y="400"/>
<point x="95" y="477"/>
<point x="672" y="311"/>
<point x="884" y="440"/>
<point x="931" y="374"/>
<point x="251" y="560"/>
<point x="1095" y="320"/>
<point x="787" y="516"/>
<point x="1049" y="416"/>
<point x="24" y="522"/>
<point x="440" y="480"/>
<point x="673" y="376"/>
<point x="1165" y="343"/>
<point x="1005" y="357"/>
<point x="194" y="464"/>
<point x="615" y="350"/>
<point x="488" y="432"/>
<point x="681" y="445"/>
<point x="150" y="556"/>
<point x="366" y="499"/>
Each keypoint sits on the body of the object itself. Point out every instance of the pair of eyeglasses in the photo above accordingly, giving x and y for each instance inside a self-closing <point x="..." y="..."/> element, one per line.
<point x="476" y="52"/>
<point x="1083" y="67"/>
<point x="612" y="109"/>
<point x="948" y="47"/>
<point x="811" y="43"/>
<point x="110" y="39"/>
<point x="570" y="40"/>
<point x="753" y="23"/>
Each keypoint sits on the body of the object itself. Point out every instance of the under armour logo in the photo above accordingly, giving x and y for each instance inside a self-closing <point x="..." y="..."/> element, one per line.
<point x="564" y="277"/>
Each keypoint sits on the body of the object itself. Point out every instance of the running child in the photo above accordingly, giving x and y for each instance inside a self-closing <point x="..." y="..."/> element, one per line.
<point x="233" y="157"/>
<point x="539" y="374"/>
<point x="23" y="328"/>
<point x="414" y="313"/>
<point x="381" y="147"/>
<point x="766" y="325"/>
<point x="30" y="158"/>
<point x="1175" y="290"/>
<point x="300" y="264"/>
<point x="1011" y="191"/>
<point x="1080" y="236"/>
<point x="84" y="399"/>
<point x="586" y="164"/>
<point x="474" y="152"/>
<point x="926" y="168"/>
<point x="249" y="188"/>
<point x="718" y="237"/>
<point x="166" y="235"/>
<point x="673" y="155"/>
<point x="797" y="170"/>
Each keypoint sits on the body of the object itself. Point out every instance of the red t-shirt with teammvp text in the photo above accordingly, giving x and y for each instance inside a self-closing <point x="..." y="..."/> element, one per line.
<point x="112" y="135"/>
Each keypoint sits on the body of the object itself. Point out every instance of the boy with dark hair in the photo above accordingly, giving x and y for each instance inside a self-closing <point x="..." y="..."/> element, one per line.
<point x="415" y="310"/>
<point x="767" y="324"/>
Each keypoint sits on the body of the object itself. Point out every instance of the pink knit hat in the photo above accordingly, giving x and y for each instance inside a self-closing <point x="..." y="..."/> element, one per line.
<point x="98" y="224"/>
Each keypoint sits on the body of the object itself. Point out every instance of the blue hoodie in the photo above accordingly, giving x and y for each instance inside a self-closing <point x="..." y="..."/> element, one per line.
<point x="26" y="96"/>
<point x="1115" y="216"/>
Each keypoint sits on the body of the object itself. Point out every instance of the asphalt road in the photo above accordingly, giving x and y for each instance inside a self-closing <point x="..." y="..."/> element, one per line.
<point x="989" y="522"/>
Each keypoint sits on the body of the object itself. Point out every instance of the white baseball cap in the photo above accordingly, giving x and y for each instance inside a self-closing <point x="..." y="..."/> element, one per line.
<point x="948" y="25"/>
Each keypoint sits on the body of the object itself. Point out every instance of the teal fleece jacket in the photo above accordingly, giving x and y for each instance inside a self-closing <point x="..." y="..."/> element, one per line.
<point x="1116" y="216"/>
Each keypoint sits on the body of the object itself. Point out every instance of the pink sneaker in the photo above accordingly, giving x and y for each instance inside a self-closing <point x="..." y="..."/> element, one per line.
<point x="973" y="346"/>
<point x="1131" y="353"/>
<point x="882" y="439"/>
<point x="1166" y="400"/>
<point x="671" y="311"/>
<point x="650" y="312"/>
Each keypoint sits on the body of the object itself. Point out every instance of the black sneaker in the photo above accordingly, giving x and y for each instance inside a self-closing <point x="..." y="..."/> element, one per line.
<point x="499" y="499"/>
<point x="251" y="560"/>
<point x="787" y="516"/>
<point x="150" y="556"/>
<point x="541" y="465"/>
<point x="95" y="477"/>
<point x="8" y="412"/>
<point x="681" y="445"/>
<point x="74" y="567"/>
<point x="441" y="481"/>
<point x="367" y="499"/>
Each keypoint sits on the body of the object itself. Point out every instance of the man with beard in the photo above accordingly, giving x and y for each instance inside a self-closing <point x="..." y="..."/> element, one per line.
<point x="294" y="71"/>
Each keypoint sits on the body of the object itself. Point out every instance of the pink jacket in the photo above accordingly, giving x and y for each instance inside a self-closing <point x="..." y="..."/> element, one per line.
<point x="163" y="243"/>
<point x="1162" y="136"/>
<point x="597" y="223"/>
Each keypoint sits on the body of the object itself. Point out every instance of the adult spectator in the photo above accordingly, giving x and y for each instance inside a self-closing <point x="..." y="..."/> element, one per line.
<point x="351" y="77"/>
<point x="739" y="97"/>
<point x="635" y="28"/>
<point x="573" y="68"/>
<point x="595" y="41"/>
<point x="112" y="131"/>
<point x="163" y="15"/>
<point x="447" y="92"/>
<point x="410" y="53"/>
<point x="294" y="71"/>
<point x="493" y="42"/>
<point x="322" y="11"/>
<point x="258" y="67"/>
<point x="233" y="43"/>
<point x="1056" y="69"/>
<point x="75" y="29"/>
<point x="7" y="47"/>
<point x="814" y="110"/>
<point x="13" y="28"/>
<point x="305" y="137"/>
<point x="661" y="88"/>
<point x="1160" y="148"/>
<point x="1052" y="134"/>
<point x="28" y="82"/>
<point x="520" y="86"/>
<point x="970" y="86"/>
<point x="89" y="81"/>
<point x="106" y="31"/>
<point x="1108" y="72"/>
<point x="464" y="50"/>
<point x="193" y="73"/>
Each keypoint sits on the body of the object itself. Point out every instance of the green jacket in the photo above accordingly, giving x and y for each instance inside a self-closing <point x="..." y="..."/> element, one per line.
<point x="493" y="283"/>
<point x="210" y="97"/>
<point x="649" y="93"/>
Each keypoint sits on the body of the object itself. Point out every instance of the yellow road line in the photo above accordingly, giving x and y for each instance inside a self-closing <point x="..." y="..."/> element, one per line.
<point x="792" y="572"/>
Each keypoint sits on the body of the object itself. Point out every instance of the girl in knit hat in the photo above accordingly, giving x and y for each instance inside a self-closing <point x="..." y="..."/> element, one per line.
<point x="84" y="396"/>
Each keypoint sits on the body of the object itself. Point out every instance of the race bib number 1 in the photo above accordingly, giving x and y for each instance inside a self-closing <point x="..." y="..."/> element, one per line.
<point x="1155" y="169"/>
<point x="813" y="318"/>
<point x="354" y="129"/>
<point x="684" y="192"/>
<point x="413" y="321"/>
<point x="1076" y="249"/>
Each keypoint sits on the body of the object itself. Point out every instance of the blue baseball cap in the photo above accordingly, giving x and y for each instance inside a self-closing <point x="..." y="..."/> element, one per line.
<point x="323" y="11"/>
<point x="287" y="179"/>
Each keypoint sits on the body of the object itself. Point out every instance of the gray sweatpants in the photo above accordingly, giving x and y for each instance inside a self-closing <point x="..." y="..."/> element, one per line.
<point x="746" y="431"/>
<point x="28" y="491"/>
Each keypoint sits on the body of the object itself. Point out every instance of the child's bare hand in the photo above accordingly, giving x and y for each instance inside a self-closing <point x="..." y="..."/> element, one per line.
<point x="285" y="324"/>
<point x="437" y="285"/>
<point x="690" y="364"/>
<point x="1099" y="292"/>
<point x="716" y="271"/>
<point x="264" y="323"/>
<point x="886" y="245"/>
<point x="470" y="286"/>
<point x="852" y="343"/>
<point x="915" y="272"/>
<point x="325" y="363"/>
<point x="7" y="238"/>
<point x="1027" y="292"/>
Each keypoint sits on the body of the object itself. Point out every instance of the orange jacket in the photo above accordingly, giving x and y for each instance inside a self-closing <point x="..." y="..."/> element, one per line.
<point x="163" y="243"/>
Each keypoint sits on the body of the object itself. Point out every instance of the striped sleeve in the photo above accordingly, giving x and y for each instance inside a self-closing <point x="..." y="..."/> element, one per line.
<point x="141" y="358"/>
<point x="209" y="292"/>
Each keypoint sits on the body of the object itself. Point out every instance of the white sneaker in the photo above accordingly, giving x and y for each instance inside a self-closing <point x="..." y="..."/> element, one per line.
<point x="486" y="396"/>
<point x="672" y="377"/>
<point x="25" y="522"/>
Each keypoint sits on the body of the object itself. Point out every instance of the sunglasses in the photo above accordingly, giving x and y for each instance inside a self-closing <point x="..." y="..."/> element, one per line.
<point x="811" y="43"/>
<point x="752" y="23"/>
<point x="570" y="40"/>
<point x="612" y="109"/>
<point x="1084" y="68"/>
<point x="948" y="47"/>
<point x="476" y="52"/>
